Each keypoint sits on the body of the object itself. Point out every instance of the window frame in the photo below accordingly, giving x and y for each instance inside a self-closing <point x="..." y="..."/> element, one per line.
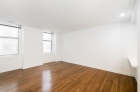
<point x="49" y="41"/>
<point x="6" y="37"/>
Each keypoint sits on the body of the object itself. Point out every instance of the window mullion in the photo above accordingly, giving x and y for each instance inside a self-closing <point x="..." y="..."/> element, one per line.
<point x="9" y="37"/>
<point x="48" y="40"/>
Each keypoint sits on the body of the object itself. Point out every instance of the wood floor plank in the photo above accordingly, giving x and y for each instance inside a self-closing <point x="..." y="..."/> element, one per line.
<point x="65" y="77"/>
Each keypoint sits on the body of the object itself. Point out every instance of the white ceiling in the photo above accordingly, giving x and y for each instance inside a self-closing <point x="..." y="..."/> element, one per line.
<point x="66" y="15"/>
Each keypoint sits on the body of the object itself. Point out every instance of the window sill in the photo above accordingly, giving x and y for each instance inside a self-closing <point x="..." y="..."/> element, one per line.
<point x="48" y="52"/>
<point x="133" y="62"/>
<point x="3" y="56"/>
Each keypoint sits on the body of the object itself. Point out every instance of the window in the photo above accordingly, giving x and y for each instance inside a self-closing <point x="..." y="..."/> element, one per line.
<point x="47" y="42"/>
<point x="9" y="39"/>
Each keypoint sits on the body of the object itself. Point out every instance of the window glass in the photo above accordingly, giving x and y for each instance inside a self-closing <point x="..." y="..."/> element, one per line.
<point x="8" y="31"/>
<point x="8" y="46"/>
<point x="47" y="36"/>
<point x="47" y="46"/>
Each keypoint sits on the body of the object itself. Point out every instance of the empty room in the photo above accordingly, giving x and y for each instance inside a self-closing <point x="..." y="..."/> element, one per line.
<point x="69" y="46"/>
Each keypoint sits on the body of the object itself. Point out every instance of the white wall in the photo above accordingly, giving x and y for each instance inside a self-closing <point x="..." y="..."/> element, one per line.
<point x="8" y="63"/>
<point x="48" y="57"/>
<point x="32" y="47"/>
<point x="105" y="47"/>
<point x="57" y="47"/>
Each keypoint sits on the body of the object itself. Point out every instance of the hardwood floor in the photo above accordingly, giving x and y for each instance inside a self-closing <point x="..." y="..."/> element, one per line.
<point x="65" y="77"/>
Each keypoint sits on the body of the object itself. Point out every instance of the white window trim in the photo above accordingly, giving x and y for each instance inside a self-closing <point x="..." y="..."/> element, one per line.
<point x="50" y="41"/>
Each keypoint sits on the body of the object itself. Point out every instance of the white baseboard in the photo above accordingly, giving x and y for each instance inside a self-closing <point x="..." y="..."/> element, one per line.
<point x="27" y="67"/>
<point x="105" y="69"/>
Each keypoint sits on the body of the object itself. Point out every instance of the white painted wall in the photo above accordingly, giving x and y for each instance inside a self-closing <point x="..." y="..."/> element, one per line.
<point x="8" y="63"/>
<point x="105" y="47"/>
<point x="32" y="47"/>
<point x="57" y="45"/>
<point x="48" y="57"/>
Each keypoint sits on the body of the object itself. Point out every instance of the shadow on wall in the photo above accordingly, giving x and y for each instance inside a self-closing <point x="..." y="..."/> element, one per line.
<point x="131" y="70"/>
<point x="128" y="67"/>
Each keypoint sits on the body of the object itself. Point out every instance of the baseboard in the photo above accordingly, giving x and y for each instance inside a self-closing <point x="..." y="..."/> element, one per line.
<point x="11" y="70"/>
<point x="105" y="69"/>
<point x="114" y="71"/>
<point x="27" y="67"/>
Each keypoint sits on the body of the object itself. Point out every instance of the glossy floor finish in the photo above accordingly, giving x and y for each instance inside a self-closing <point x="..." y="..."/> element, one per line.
<point x="65" y="77"/>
